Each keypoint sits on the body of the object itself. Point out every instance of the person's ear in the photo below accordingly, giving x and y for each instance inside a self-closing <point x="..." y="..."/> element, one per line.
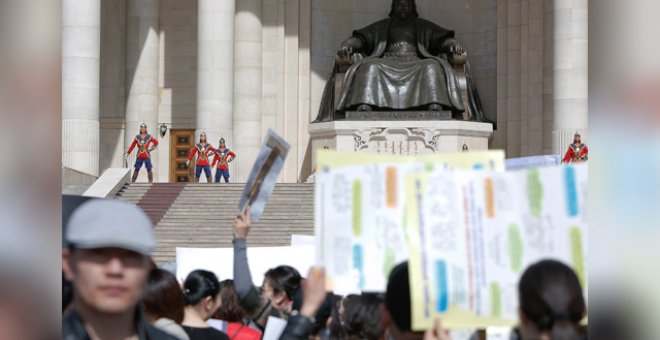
<point x="523" y="318"/>
<point x="280" y="298"/>
<point x="67" y="266"/>
<point x="208" y="304"/>
<point x="385" y="318"/>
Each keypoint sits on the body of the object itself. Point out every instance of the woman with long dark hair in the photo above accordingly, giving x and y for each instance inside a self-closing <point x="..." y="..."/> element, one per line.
<point x="201" y="292"/>
<point x="551" y="302"/>
<point x="163" y="303"/>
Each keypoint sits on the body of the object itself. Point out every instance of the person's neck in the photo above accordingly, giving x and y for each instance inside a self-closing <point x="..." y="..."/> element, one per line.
<point x="104" y="325"/>
<point x="193" y="318"/>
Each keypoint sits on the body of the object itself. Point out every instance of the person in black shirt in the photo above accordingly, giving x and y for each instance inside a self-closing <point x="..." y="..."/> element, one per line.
<point x="201" y="293"/>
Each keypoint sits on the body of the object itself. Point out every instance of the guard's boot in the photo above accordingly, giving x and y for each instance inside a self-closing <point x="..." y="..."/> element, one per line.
<point x="196" y="179"/>
<point x="135" y="176"/>
<point x="208" y="179"/>
<point x="151" y="176"/>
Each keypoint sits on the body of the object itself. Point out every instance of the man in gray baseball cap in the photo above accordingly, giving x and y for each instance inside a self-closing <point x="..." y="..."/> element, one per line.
<point x="109" y="243"/>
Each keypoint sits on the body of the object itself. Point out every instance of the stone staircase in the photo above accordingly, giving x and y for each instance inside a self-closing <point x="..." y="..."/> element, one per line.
<point x="201" y="215"/>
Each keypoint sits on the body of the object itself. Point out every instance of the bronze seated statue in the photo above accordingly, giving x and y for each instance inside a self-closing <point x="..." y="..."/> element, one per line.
<point x="402" y="63"/>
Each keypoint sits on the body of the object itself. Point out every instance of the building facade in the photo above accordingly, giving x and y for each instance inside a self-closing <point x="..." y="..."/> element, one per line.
<point x="235" y="68"/>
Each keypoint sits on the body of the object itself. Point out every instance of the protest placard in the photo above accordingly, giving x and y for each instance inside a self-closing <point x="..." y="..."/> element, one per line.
<point x="475" y="232"/>
<point x="359" y="211"/>
<point x="264" y="174"/>
<point x="467" y="234"/>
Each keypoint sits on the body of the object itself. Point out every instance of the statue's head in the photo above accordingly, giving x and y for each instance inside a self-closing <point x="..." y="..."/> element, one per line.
<point x="404" y="9"/>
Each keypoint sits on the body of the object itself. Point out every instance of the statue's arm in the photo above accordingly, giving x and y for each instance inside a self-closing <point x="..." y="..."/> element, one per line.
<point x="350" y="46"/>
<point x="347" y="48"/>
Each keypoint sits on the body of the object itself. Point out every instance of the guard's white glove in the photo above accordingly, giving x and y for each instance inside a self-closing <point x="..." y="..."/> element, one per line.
<point x="187" y="163"/>
<point x="125" y="155"/>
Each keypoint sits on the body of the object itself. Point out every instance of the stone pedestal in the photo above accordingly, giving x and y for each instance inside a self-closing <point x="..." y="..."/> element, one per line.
<point x="399" y="137"/>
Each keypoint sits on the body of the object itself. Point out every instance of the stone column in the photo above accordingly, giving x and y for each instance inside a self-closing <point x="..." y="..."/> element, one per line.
<point x="142" y="58"/>
<point x="247" y="86"/>
<point x="569" y="73"/>
<point x="215" y="70"/>
<point x="81" y="51"/>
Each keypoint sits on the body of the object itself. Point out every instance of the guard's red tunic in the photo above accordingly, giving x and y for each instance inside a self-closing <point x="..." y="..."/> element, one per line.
<point x="202" y="152"/>
<point x="144" y="143"/>
<point x="222" y="157"/>
<point x="576" y="153"/>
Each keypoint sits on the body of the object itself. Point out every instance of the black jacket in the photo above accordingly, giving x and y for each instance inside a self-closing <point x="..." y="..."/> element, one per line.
<point x="73" y="328"/>
<point x="297" y="327"/>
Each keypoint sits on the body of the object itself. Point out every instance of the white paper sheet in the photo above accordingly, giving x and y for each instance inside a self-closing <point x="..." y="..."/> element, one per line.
<point x="302" y="240"/>
<point x="274" y="328"/>
<point x="221" y="260"/>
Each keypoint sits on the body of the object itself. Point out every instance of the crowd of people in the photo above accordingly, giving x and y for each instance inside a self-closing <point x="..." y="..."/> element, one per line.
<point x="112" y="290"/>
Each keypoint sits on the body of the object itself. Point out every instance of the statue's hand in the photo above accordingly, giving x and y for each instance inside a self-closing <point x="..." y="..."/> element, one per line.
<point x="344" y="54"/>
<point x="457" y="54"/>
<point x="457" y="50"/>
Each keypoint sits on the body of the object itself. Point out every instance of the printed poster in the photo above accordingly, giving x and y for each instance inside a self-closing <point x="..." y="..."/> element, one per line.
<point x="360" y="211"/>
<point x="476" y="232"/>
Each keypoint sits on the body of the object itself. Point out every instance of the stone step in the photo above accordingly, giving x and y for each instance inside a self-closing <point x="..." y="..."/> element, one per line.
<point x="200" y="215"/>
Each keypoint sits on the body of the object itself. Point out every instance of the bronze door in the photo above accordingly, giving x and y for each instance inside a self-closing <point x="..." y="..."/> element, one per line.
<point x="181" y="142"/>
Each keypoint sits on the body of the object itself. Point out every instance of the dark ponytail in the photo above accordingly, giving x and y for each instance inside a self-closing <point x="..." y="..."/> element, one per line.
<point x="198" y="285"/>
<point x="551" y="298"/>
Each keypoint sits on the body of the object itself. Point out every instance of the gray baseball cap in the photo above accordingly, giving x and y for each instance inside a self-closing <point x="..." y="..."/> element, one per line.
<point x="102" y="223"/>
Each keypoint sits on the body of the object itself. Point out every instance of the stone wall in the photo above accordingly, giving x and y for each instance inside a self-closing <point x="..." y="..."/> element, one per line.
<point x="521" y="85"/>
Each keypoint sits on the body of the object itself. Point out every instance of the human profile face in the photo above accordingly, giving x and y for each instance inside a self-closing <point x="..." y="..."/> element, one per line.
<point x="278" y="300"/>
<point x="202" y="139"/>
<point x="107" y="280"/>
<point x="210" y="306"/>
<point x="403" y="9"/>
<point x="577" y="140"/>
<point x="143" y="130"/>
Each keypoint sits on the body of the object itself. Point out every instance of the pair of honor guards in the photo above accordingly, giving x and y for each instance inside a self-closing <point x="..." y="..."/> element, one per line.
<point x="147" y="143"/>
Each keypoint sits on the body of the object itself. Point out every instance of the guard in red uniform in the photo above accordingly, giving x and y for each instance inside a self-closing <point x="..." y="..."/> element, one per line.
<point x="577" y="152"/>
<point x="145" y="143"/>
<point x="203" y="150"/>
<point x="223" y="157"/>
